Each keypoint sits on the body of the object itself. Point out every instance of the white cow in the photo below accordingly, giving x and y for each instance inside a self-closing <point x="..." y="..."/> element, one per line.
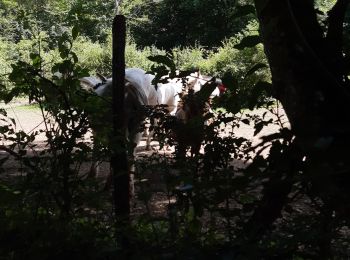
<point x="194" y="109"/>
<point x="138" y="93"/>
<point x="170" y="93"/>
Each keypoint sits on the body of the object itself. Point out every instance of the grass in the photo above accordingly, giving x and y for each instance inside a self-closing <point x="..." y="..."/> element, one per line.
<point x="27" y="107"/>
<point x="19" y="105"/>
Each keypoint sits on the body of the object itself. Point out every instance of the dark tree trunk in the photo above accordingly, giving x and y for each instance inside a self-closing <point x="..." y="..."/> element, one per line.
<point x="305" y="68"/>
<point x="308" y="76"/>
<point x="309" y="79"/>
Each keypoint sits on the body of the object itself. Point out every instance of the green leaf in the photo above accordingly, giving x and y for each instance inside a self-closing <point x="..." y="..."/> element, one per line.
<point x="206" y="90"/>
<point x="185" y="73"/>
<point x="259" y="94"/>
<point x="263" y="86"/>
<point x="163" y="59"/>
<point x="194" y="226"/>
<point x="230" y="81"/>
<point x="64" y="51"/>
<point x="36" y="60"/>
<point x="244" y="10"/>
<point x="75" y="32"/>
<point x="248" y="42"/>
<point x="3" y="112"/>
<point x="160" y="72"/>
<point x="247" y="198"/>
<point x="255" y="68"/>
<point x="75" y="57"/>
<point x="258" y="127"/>
<point x="245" y="121"/>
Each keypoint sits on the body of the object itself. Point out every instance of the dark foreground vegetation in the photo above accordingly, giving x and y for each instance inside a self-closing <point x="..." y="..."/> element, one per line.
<point x="284" y="198"/>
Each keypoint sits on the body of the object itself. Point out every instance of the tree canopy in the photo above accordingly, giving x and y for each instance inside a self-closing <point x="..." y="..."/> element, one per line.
<point x="171" y="23"/>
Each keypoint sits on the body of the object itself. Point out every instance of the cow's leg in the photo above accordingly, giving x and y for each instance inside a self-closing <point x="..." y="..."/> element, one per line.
<point x="131" y="168"/>
<point x="94" y="168"/>
<point x="150" y="135"/>
<point x="146" y="130"/>
<point x="149" y="140"/>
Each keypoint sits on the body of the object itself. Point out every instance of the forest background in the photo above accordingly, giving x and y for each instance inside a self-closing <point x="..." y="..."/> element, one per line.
<point x="291" y="204"/>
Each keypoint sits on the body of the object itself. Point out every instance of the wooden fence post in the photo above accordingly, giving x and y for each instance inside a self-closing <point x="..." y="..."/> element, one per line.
<point x="119" y="162"/>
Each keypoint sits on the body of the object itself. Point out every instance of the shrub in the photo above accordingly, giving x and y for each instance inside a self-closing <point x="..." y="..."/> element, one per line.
<point x="4" y="56"/>
<point x="189" y="57"/>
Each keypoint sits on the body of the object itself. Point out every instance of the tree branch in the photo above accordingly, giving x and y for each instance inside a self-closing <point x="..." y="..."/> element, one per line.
<point x="9" y="151"/>
<point x="16" y="155"/>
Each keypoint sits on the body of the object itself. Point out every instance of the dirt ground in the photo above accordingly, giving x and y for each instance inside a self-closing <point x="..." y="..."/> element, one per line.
<point x="28" y="118"/>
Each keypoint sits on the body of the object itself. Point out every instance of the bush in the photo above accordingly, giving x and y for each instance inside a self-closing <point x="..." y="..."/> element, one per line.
<point x="91" y="55"/>
<point x="51" y="210"/>
<point x="4" y="57"/>
<point x="189" y="57"/>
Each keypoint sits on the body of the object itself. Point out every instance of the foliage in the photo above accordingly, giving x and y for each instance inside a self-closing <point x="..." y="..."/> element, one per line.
<point x="238" y="199"/>
<point x="187" y="58"/>
<point x="93" y="56"/>
<point x="53" y="208"/>
<point x="5" y="67"/>
<point x="169" y="23"/>
<point x="96" y="57"/>
<point x="93" y="18"/>
<point x="62" y="197"/>
<point x="308" y="58"/>
<point x="25" y="19"/>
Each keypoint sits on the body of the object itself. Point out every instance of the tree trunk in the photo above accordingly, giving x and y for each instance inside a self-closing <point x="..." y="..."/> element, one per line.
<point x="309" y="79"/>
<point x="308" y="76"/>
<point x="305" y="75"/>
